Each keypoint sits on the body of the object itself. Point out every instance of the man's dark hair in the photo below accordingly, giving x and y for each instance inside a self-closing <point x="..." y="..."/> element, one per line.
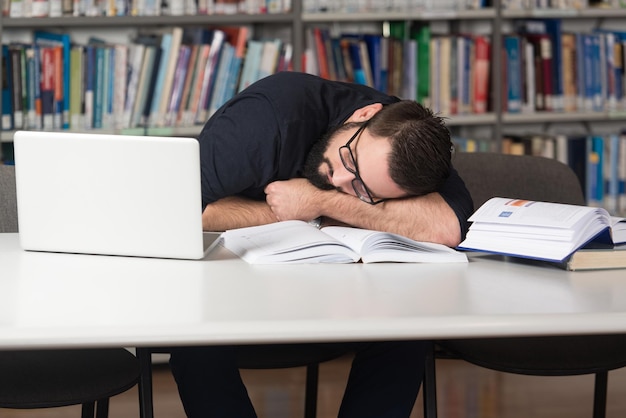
<point x="421" y="146"/>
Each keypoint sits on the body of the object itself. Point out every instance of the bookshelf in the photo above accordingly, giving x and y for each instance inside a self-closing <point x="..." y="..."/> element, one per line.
<point x="493" y="21"/>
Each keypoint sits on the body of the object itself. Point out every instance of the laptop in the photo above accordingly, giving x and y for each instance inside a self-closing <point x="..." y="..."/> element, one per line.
<point x="109" y="194"/>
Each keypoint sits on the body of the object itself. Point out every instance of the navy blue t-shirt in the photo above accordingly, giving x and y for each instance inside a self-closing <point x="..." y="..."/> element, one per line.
<point x="264" y="134"/>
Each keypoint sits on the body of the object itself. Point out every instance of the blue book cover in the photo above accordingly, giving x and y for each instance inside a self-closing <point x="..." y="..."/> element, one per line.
<point x="63" y="39"/>
<point x="155" y="99"/>
<point x="98" y="95"/>
<point x="357" y="66"/>
<point x="7" y="101"/>
<point x="595" y="170"/>
<point x="217" y="97"/>
<point x="514" y="73"/>
<point x="374" y="50"/>
<point x="596" y="62"/>
<point x="90" y="76"/>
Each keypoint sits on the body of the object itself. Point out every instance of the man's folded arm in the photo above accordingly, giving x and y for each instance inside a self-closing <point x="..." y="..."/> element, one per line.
<point x="235" y="212"/>
<point x="424" y="218"/>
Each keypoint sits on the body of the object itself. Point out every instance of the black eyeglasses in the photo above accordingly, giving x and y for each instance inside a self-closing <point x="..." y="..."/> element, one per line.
<point x="349" y="162"/>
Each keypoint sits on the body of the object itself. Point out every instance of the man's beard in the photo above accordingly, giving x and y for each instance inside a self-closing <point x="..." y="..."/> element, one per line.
<point x="314" y="161"/>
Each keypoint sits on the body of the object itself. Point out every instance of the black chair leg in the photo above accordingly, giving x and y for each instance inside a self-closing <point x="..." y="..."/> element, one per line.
<point x="146" y="409"/>
<point x="310" y="394"/>
<point x="87" y="410"/>
<point x="102" y="408"/>
<point x="430" y="383"/>
<point x="599" y="396"/>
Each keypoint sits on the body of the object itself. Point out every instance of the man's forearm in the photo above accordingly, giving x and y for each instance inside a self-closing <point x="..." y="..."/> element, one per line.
<point x="236" y="212"/>
<point x="424" y="218"/>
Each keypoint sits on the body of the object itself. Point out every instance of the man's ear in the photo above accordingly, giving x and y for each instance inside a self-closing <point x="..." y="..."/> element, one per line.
<point x="365" y="113"/>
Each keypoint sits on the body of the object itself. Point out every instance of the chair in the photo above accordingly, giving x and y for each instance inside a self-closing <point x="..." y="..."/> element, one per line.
<point x="488" y="175"/>
<point x="32" y="379"/>
<point x="265" y="356"/>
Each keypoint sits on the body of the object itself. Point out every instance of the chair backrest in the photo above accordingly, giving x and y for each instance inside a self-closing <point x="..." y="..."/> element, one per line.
<point x="8" y="199"/>
<point x="488" y="175"/>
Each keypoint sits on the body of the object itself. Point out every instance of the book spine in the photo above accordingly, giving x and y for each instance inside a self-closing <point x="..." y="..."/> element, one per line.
<point x="31" y="79"/>
<point x="119" y="89"/>
<point x="59" y="91"/>
<point x="178" y="84"/>
<point x="98" y="88"/>
<point x="16" y="77"/>
<point x="481" y="74"/>
<point x="76" y="86"/>
<point x="7" y="94"/>
<point x="47" y="87"/>
<point x="514" y="76"/>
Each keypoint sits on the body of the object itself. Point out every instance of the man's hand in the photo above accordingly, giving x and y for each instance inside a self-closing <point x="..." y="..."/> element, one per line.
<point x="294" y="199"/>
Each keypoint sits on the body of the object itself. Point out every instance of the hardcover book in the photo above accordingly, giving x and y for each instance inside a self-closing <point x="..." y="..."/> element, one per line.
<point x="540" y="230"/>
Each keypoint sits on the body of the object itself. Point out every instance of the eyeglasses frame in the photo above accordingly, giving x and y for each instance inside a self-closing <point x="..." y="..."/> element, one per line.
<point x="355" y="171"/>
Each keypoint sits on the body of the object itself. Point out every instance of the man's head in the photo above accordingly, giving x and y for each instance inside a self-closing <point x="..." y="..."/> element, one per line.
<point x="394" y="151"/>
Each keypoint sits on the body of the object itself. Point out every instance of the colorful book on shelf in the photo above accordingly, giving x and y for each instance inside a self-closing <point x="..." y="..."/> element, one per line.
<point x="190" y="75"/>
<point x="161" y="69"/>
<point x="17" y="89"/>
<point x="149" y="64"/>
<point x="178" y="84"/>
<point x="300" y="242"/>
<point x="568" y="56"/>
<point x="76" y="86"/>
<point x="135" y="59"/>
<point x="121" y="79"/>
<point x="47" y="87"/>
<point x="7" y="87"/>
<point x="551" y="28"/>
<point x="377" y="60"/>
<point x="422" y="36"/>
<point x="512" y="46"/>
<point x="170" y="63"/>
<point x="540" y="230"/>
<point x="191" y="110"/>
<point x="351" y="46"/>
<point x="269" y="57"/>
<point x="221" y="78"/>
<point x="480" y="81"/>
<point x="33" y="118"/>
<point x="63" y="40"/>
<point x="542" y="46"/>
<point x="218" y="38"/>
<point x="594" y="188"/>
<point x="237" y="36"/>
<point x="251" y="64"/>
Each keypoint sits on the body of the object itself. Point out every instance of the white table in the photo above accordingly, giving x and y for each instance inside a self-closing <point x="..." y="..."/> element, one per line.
<point x="65" y="300"/>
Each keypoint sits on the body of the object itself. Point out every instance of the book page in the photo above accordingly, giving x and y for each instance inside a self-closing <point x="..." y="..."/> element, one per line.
<point x="526" y="212"/>
<point x="377" y="246"/>
<point x="285" y="242"/>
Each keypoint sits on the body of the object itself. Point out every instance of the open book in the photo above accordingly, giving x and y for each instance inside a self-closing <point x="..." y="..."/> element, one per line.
<point x="540" y="230"/>
<point x="299" y="242"/>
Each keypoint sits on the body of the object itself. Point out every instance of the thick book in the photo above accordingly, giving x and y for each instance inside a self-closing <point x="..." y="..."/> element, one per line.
<point x="540" y="230"/>
<point x="300" y="242"/>
<point x="597" y="258"/>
